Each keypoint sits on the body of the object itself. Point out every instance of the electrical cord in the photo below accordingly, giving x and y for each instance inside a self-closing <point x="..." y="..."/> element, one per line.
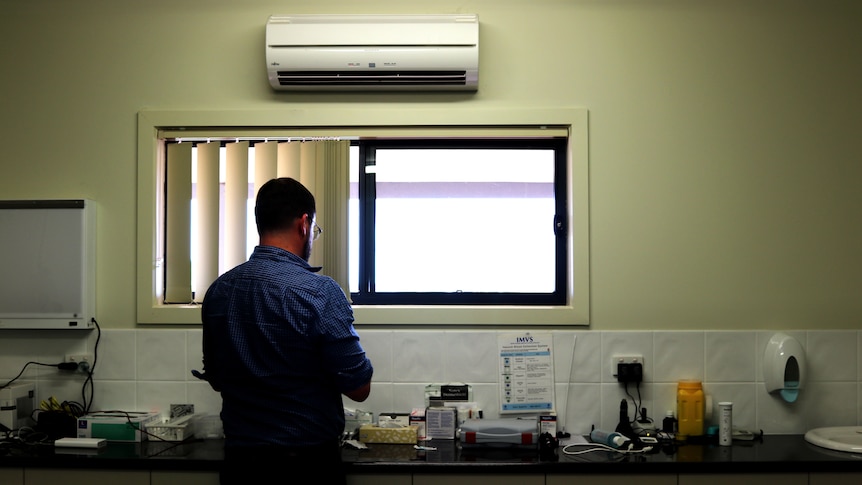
<point x="73" y="408"/>
<point x="68" y="366"/>
<point x="62" y="365"/>
<point x="636" y="402"/>
<point x="23" y="438"/>
<point x="630" y="450"/>
<point x="641" y="418"/>
<point x="88" y="403"/>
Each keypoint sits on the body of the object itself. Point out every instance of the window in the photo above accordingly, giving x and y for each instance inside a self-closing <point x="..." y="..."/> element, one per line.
<point x="511" y="229"/>
<point x="467" y="221"/>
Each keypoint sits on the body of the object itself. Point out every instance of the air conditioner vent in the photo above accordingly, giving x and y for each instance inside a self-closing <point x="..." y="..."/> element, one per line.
<point x="371" y="78"/>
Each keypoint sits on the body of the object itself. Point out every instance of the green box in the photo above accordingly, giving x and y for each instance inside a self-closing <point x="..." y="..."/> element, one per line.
<point x="117" y="426"/>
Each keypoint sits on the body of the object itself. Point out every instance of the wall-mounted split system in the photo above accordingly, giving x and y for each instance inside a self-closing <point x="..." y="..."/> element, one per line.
<point x="373" y="52"/>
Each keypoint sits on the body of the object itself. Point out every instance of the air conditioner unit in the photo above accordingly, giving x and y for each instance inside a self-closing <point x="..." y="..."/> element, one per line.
<point x="373" y="52"/>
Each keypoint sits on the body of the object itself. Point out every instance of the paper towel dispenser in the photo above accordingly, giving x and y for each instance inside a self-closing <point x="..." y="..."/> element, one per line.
<point x="784" y="366"/>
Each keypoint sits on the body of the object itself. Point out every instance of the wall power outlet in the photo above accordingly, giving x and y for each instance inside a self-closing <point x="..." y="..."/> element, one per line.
<point x="84" y="361"/>
<point x="626" y="360"/>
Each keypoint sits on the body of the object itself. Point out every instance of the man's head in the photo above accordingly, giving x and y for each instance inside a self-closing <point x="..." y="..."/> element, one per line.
<point x="284" y="213"/>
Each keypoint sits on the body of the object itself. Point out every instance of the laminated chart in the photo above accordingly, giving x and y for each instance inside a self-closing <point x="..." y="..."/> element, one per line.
<point x="526" y="373"/>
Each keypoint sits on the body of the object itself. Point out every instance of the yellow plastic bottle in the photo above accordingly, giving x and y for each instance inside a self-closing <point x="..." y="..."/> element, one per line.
<point x="689" y="409"/>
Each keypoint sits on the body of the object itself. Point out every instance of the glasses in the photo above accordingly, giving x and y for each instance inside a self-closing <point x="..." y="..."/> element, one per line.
<point x="316" y="231"/>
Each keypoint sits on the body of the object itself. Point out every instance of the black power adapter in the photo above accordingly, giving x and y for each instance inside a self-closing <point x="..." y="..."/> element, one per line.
<point x="630" y="372"/>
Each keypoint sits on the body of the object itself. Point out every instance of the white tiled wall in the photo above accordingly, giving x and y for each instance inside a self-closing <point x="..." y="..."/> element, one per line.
<point x="149" y="369"/>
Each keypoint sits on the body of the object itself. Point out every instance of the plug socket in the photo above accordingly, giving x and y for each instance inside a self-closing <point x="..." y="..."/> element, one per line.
<point x="627" y="368"/>
<point x="84" y="361"/>
<point x="630" y="372"/>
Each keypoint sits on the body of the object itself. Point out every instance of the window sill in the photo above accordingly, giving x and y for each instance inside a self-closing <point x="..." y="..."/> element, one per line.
<point x="407" y="315"/>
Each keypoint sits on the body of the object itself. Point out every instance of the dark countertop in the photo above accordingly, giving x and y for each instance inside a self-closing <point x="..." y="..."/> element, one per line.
<point x="774" y="454"/>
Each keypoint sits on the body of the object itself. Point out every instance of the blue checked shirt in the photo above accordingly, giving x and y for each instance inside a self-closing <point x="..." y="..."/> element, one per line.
<point x="279" y="344"/>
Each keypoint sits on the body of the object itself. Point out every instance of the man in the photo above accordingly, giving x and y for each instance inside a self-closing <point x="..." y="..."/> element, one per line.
<point x="280" y="347"/>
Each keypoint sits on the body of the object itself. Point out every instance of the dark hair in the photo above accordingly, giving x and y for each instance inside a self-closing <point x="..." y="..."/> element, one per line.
<point x="279" y="202"/>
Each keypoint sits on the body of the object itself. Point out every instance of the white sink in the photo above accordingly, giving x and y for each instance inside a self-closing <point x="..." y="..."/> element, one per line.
<point x="839" y="438"/>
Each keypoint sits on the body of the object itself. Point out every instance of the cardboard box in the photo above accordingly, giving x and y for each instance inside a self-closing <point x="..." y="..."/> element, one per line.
<point x="441" y="423"/>
<point x="408" y="435"/>
<point x="417" y="418"/>
<point x="117" y="426"/>
<point x="548" y="424"/>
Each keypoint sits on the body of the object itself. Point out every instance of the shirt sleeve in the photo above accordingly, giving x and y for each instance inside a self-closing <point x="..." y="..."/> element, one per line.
<point x="342" y="349"/>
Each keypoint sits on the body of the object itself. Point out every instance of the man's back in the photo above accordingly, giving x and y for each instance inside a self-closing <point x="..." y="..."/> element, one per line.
<point x="280" y="346"/>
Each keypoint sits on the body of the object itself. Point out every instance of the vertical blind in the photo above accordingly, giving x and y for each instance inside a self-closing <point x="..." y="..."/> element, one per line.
<point x="221" y="201"/>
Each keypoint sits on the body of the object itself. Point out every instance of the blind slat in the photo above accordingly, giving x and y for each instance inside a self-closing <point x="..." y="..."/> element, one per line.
<point x="206" y="243"/>
<point x="178" y="279"/>
<point x="334" y="195"/>
<point x="265" y="164"/>
<point x="288" y="160"/>
<point x="236" y="200"/>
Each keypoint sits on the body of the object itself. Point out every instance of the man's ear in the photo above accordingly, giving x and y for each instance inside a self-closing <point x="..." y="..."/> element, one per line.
<point x="304" y="225"/>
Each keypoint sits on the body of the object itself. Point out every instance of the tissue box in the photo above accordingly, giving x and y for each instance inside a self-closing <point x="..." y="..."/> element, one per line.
<point x="408" y="435"/>
<point x="393" y="420"/>
<point x="116" y="426"/>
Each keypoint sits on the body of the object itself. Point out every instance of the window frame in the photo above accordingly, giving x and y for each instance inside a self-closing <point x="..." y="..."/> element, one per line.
<point x="345" y="122"/>
<point x="366" y="294"/>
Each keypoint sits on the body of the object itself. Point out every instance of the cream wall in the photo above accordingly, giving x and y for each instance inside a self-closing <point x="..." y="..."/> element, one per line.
<point x="724" y="134"/>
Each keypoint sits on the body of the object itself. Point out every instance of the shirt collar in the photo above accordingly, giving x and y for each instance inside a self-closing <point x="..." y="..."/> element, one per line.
<point x="279" y="253"/>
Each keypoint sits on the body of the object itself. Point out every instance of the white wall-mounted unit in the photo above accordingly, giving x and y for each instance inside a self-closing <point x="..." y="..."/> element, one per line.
<point x="47" y="264"/>
<point x="373" y="52"/>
